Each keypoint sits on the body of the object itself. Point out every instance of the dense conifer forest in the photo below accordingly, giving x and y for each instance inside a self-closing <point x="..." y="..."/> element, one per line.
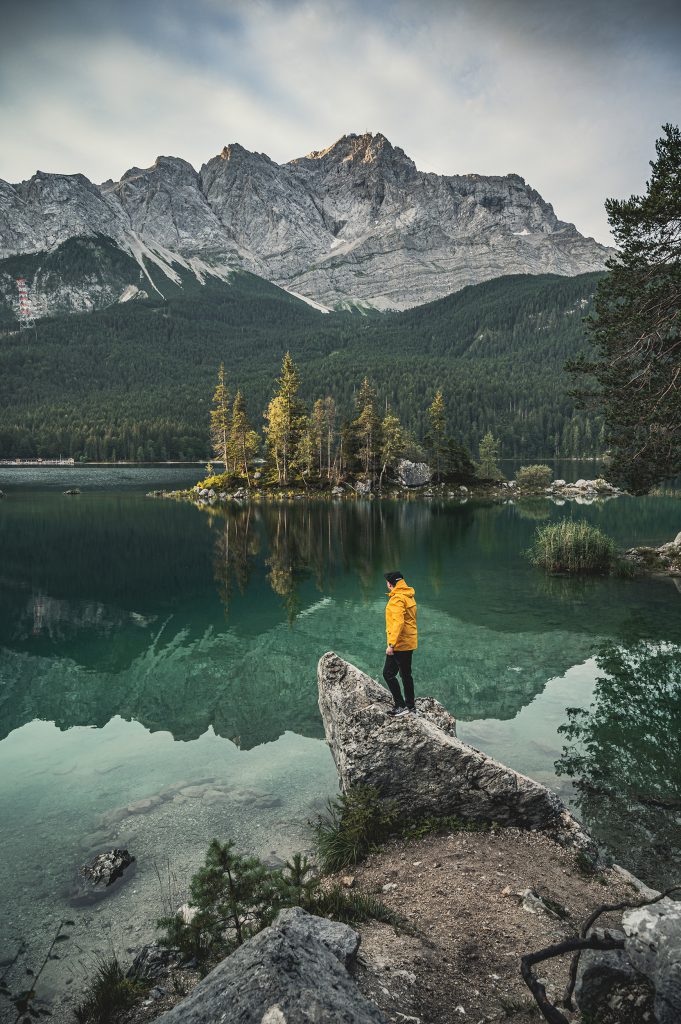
<point x="135" y="381"/>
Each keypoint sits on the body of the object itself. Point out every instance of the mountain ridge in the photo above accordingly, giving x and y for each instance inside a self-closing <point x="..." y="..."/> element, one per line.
<point x="354" y="224"/>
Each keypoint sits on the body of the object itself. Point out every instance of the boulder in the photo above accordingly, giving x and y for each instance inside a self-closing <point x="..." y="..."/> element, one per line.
<point x="153" y="962"/>
<point x="102" y="876"/>
<point x="677" y="540"/>
<point x="363" y="487"/>
<point x="418" y="762"/>
<point x="601" y="973"/>
<point x="72" y="490"/>
<point x="413" y="474"/>
<point x="295" y="971"/>
<point x="653" y="946"/>
<point x="558" y="483"/>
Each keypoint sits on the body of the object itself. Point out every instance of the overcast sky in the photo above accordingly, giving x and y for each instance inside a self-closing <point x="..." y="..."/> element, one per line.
<point x="570" y="94"/>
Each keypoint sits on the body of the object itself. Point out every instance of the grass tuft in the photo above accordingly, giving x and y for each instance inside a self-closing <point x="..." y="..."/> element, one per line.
<point x="108" y="994"/>
<point x="573" y="547"/>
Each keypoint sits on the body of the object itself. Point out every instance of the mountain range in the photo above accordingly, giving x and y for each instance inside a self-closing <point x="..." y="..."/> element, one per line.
<point x="353" y="225"/>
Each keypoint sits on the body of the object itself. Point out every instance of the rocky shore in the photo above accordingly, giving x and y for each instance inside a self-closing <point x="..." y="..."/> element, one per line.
<point x="662" y="561"/>
<point x="413" y="480"/>
<point x="517" y="875"/>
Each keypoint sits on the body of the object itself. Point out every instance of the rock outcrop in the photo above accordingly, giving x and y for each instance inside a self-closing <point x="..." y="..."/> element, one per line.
<point x="293" y="972"/>
<point x="650" y="960"/>
<point x="418" y="762"/>
<point x="355" y="223"/>
<point x="414" y="474"/>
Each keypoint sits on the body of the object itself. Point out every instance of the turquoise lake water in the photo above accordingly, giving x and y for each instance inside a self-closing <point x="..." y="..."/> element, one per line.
<point x="158" y="679"/>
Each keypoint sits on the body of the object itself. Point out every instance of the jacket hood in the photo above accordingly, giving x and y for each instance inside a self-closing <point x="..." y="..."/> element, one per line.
<point x="402" y="588"/>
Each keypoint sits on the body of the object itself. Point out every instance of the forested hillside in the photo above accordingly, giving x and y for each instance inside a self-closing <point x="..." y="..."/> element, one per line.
<point x="135" y="381"/>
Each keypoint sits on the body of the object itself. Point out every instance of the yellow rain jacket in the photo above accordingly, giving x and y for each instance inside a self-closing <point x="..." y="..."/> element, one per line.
<point x="400" y="618"/>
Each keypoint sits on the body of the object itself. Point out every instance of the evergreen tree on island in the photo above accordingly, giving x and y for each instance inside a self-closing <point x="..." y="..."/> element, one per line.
<point x="636" y="330"/>
<point x="284" y="419"/>
<point x="219" y="420"/>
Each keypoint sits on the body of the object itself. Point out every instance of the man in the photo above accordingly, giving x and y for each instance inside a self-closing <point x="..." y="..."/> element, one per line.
<point x="400" y="628"/>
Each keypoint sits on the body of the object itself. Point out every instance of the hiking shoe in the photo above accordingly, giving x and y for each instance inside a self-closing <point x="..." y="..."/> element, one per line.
<point x="398" y="712"/>
<point x="411" y="708"/>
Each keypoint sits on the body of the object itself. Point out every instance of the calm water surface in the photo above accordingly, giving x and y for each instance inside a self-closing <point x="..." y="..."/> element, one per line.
<point x="157" y="679"/>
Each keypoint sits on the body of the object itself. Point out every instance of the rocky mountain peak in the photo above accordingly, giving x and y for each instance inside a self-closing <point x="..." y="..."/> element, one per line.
<point x="358" y="150"/>
<point x="355" y="223"/>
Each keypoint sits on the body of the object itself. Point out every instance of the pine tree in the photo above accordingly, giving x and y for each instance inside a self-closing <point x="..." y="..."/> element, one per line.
<point x="219" y="420"/>
<point x="438" y="422"/>
<point x="367" y="424"/>
<point x="243" y="440"/>
<point x="635" y="376"/>
<point x="392" y="443"/>
<point x="489" y="453"/>
<point x="290" y="411"/>
<point x="275" y="431"/>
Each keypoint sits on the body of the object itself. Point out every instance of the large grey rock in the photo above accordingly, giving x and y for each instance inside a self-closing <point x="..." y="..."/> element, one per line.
<point x="353" y="223"/>
<point x="653" y="946"/>
<point x="293" y="972"/>
<point x="414" y="474"/>
<point x="602" y="972"/>
<point x="418" y="762"/>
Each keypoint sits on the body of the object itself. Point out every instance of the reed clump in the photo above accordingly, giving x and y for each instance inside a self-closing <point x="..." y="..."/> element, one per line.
<point x="573" y="547"/>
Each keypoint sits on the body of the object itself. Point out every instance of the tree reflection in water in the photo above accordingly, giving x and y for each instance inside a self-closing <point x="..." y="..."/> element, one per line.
<point x="624" y="755"/>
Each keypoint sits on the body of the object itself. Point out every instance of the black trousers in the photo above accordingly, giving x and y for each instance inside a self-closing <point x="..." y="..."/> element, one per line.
<point x="400" y="662"/>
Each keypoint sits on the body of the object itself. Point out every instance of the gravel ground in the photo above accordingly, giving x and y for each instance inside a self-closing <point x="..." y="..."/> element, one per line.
<point x="458" y="957"/>
<point x="462" y="962"/>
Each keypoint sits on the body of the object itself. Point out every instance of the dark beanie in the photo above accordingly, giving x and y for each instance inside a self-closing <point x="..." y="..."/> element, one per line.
<point x="393" y="577"/>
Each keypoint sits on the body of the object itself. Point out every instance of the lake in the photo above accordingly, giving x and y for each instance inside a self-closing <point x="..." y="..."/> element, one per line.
<point x="158" y="679"/>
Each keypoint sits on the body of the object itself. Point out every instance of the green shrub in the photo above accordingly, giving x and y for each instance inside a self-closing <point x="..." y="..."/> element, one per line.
<point x="534" y="477"/>
<point x="357" y="820"/>
<point x="234" y="897"/>
<point x="220" y="481"/>
<point x="572" y="547"/>
<point x="108" y="994"/>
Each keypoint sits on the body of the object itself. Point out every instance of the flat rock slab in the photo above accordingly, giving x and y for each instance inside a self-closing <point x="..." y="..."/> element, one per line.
<point x="293" y="972"/>
<point x="418" y="762"/>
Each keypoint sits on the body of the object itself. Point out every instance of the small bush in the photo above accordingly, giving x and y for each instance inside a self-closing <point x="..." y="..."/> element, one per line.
<point x="534" y="477"/>
<point x="219" y="481"/>
<point x="357" y="821"/>
<point x="572" y="547"/>
<point x="108" y="994"/>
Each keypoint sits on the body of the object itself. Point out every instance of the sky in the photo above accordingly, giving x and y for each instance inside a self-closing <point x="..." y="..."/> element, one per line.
<point x="571" y="95"/>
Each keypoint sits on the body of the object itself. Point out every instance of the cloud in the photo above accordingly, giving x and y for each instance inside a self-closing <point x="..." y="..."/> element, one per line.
<point x="571" y="96"/>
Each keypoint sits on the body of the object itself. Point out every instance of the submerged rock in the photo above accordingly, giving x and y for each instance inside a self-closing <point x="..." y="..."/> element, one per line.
<point x="102" y="876"/>
<point x="418" y="762"/>
<point x="293" y="971"/>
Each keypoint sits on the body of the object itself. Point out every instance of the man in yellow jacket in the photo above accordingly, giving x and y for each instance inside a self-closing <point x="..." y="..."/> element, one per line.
<point x="400" y="628"/>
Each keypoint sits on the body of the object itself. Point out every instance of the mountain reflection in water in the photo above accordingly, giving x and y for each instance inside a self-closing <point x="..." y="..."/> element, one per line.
<point x="186" y="619"/>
